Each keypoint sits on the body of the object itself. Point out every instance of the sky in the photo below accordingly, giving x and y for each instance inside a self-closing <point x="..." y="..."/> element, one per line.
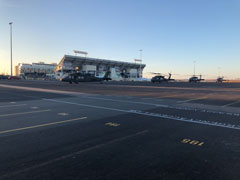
<point x="172" y="33"/>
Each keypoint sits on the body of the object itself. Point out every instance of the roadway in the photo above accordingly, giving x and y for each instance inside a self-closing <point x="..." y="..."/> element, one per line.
<point x="53" y="130"/>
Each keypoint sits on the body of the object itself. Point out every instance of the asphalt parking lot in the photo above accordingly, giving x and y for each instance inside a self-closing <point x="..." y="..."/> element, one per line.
<point x="52" y="130"/>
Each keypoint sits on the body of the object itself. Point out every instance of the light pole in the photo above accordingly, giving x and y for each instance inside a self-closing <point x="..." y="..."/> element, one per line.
<point x="140" y="63"/>
<point x="11" y="44"/>
<point x="219" y="71"/>
<point x="139" y="60"/>
<point x="194" y="67"/>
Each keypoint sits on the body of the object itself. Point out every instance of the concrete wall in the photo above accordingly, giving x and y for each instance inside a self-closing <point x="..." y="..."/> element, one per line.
<point x="89" y="68"/>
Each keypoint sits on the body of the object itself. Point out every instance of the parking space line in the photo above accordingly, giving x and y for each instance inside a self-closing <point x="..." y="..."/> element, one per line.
<point x="169" y="96"/>
<point x="41" y="125"/>
<point x="229" y="104"/>
<point x="134" y="102"/>
<point x="87" y="105"/>
<point x="194" y="99"/>
<point x="165" y="116"/>
<point x="29" y="112"/>
<point x="189" y="120"/>
<point x="41" y="90"/>
<point x="164" y="106"/>
<point x="34" y="107"/>
<point x="13" y="105"/>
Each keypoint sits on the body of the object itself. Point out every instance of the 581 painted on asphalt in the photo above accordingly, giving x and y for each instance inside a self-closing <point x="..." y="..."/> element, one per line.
<point x="192" y="142"/>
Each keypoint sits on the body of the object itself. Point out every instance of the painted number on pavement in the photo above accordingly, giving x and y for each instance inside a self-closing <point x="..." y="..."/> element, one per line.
<point x="112" y="124"/>
<point x="192" y="142"/>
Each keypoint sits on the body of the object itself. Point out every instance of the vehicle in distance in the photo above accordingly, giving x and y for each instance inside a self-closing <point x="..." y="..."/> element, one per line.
<point x="3" y="77"/>
<point x="14" y="78"/>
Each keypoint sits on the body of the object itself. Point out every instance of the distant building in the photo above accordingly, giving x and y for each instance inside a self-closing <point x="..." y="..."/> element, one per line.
<point x="119" y="70"/>
<point x="16" y="71"/>
<point x="35" y="70"/>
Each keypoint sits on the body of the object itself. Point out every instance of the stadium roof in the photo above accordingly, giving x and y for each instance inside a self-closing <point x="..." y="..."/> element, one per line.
<point x="79" y="60"/>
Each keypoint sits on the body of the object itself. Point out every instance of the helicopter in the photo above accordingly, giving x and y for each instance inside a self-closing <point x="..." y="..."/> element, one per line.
<point x="161" y="78"/>
<point x="220" y="79"/>
<point x="77" y="77"/>
<point x="195" y="79"/>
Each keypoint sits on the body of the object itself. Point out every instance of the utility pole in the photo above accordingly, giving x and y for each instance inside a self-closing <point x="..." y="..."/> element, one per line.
<point x="194" y="62"/>
<point x="140" y="63"/>
<point x="11" y="45"/>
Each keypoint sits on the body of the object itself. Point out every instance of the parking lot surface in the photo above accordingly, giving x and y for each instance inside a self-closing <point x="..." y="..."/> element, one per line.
<point x="54" y="130"/>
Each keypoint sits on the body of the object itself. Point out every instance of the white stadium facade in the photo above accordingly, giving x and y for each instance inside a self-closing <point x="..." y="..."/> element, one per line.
<point x="35" y="70"/>
<point x="98" y="67"/>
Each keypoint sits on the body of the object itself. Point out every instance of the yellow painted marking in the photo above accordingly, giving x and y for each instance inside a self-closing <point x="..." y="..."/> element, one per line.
<point x="30" y="112"/>
<point x="186" y="141"/>
<point x="200" y="144"/>
<point x="192" y="142"/>
<point x="112" y="124"/>
<point x="41" y="125"/>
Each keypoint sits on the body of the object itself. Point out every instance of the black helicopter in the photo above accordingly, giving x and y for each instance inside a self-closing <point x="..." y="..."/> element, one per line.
<point x="220" y="79"/>
<point x="161" y="78"/>
<point x="77" y="77"/>
<point x="195" y="79"/>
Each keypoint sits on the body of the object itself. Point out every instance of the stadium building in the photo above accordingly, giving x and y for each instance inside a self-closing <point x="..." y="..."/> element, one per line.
<point x="38" y="70"/>
<point x="98" y="67"/>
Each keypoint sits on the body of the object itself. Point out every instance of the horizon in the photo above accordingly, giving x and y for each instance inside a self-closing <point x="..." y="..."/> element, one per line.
<point x="172" y="34"/>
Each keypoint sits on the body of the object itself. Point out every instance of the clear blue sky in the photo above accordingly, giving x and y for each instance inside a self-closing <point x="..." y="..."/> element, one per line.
<point x="172" y="33"/>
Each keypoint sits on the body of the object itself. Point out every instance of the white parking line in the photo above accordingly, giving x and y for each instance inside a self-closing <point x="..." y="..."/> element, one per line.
<point x="236" y="102"/>
<point x="165" y="116"/>
<point x="12" y="105"/>
<point x="86" y="94"/>
<point x="194" y="99"/>
<point x="197" y="121"/>
<point x="169" y="96"/>
<point x="166" y="106"/>
<point x="41" y="125"/>
<point x="29" y="112"/>
<point x="63" y="114"/>
<point x="134" y="102"/>
<point x="34" y="107"/>
<point x="41" y="90"/>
